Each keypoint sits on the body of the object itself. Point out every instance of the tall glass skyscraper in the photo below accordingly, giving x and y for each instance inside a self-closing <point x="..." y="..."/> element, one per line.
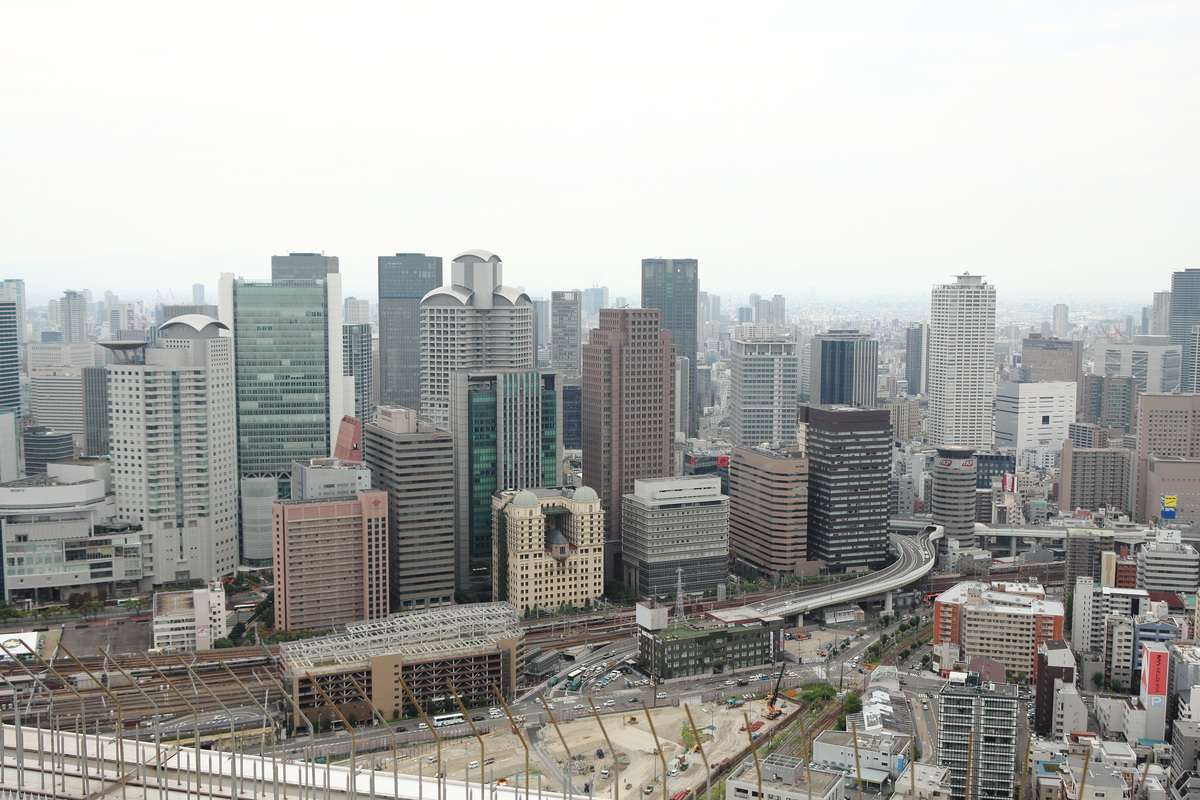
<point x="843" y="369"/>
<point x="507" y="434"/>
<point x="403" y="280"/>
<point x="673" y="287"/>
<point x="290" y="384"/>
<point x="1185" y="325"/>
<point x="10" y="387"/>
<point x="356" y="362"/>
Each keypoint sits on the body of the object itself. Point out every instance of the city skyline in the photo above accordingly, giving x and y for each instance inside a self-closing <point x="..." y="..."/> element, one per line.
<point x="1041" y="145"/>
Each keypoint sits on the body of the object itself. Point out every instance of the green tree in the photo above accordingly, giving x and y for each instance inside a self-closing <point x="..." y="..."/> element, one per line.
<point x="224" y="641"/>
<point x="1098" y="679"/>
<point x="853" y="704"/>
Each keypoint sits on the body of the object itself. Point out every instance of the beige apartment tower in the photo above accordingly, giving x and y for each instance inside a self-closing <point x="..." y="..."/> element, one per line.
<point x="331" y="561"/>
<point x="768" y="509"/>
<point x="1168" y="455"/>
<point x="548" y="548"/>
<point x="1093" y="478"/>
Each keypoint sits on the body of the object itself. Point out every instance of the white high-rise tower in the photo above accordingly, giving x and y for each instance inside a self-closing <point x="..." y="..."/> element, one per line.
<point x="962" y="383"/>
<point x="474" y="323"/>
<point x="173" y="433"/>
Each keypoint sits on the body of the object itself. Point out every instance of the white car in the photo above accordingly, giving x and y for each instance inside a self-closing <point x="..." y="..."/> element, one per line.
<point x="472" y="764"/>
<point x="661" y="695"/>
<point x="610" y="702"/>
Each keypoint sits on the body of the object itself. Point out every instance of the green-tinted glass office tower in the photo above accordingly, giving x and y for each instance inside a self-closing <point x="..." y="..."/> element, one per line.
<point x="290" y="384"/>
<point x="673" y="287"/>
<point x="507" y="434"/>
<point x="403" y="280"/>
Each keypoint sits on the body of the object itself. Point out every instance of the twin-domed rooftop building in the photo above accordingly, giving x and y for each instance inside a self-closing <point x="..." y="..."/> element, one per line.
<point x="547" y="547"/>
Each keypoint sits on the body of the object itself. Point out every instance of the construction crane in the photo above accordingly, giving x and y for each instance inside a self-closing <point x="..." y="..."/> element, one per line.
<point x="772" y="711"/>
<point x="1114" y="335"/>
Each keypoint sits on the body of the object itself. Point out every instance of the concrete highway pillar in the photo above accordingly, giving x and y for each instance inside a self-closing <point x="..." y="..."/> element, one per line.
<point x="887" y="602"/>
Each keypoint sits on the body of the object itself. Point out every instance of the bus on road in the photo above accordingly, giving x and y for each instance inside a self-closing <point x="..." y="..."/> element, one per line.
<point x="448" y="719"/>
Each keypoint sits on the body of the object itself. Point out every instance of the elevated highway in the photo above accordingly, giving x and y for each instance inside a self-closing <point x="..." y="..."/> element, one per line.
<point x="916" y="556"/>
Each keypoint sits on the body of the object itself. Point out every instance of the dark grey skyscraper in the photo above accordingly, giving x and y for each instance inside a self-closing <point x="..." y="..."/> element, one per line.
<point x="843" y="369"/>
<point x="849" y="452"/>
<point x="403" y="280"/>
<point x="10" y="387"/>
<point x="916" y="338"/>
<point x="356" y="362"/>
<point x="95" y="411"/>
<point x="673" y="287"/>
<point x="1185" y="317"/>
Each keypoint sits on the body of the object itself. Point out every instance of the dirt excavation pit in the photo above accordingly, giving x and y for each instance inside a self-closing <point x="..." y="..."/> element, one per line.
<point x="638" y="768"/>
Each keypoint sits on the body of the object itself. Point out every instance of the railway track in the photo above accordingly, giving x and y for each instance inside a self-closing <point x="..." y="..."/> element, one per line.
<point x="50" y="701"/>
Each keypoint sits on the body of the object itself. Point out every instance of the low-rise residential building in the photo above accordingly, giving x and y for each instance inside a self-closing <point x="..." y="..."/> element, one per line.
<point x="921" y="781"/>
<point x="1168" y="564"/>
<point x="1093" y="604"/>
<point x="1069" y="713"/>
<point x="190" y="620"/>
<point x="1055" y="667"/>
<point x="1103" y="781"/>
<point x="876" y="756"/>
<point x="1003" y="621"/>
<point x="784" y="778"/>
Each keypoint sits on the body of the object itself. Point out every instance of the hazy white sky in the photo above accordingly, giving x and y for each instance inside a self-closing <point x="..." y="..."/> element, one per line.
<point x="871" y="146"/>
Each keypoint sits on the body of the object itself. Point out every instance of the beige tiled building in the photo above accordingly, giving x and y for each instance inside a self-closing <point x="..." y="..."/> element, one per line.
<point x="547" y="547"/>
<point x="768" y="508"/>
<point x="1168" y="454"/>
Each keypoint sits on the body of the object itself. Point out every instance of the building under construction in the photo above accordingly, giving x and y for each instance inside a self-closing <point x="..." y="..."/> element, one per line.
<point x="470" y="647"/>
